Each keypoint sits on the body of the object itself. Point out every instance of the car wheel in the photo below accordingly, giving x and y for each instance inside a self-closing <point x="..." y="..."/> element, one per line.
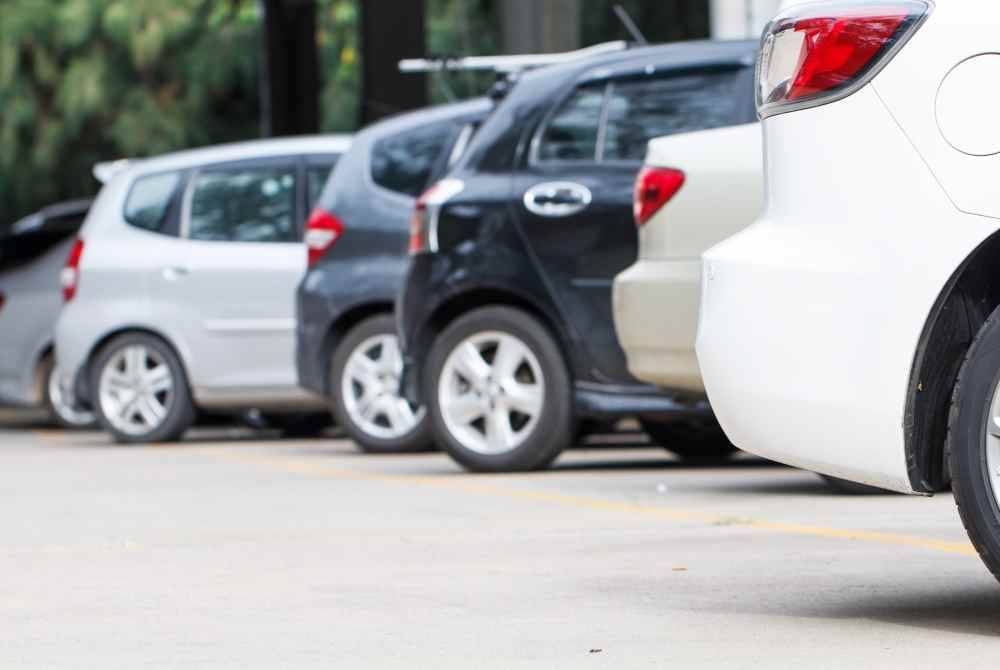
<point x="498" y="392"/>
<point x="141" y="392"/>
<point x="299" y="424"/>
<point x="692" y="441"/>
<point x="847" y="487"/>
<point x="59" y="402"/>
<point x="973" y="444"/>
<point x="365" y="376"/>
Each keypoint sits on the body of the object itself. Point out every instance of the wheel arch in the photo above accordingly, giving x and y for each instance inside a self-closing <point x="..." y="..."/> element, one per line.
<point x="966" y="301"/>
<point x="343" y="324"/>
<point x="474" y="298"/>
<point x="102" y="342"/>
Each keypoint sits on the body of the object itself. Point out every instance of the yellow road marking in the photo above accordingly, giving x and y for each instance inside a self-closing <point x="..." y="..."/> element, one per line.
<point x="604" y="505"/>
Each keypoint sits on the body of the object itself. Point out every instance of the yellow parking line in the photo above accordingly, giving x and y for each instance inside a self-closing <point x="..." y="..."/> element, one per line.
<point x="604" y="505"/>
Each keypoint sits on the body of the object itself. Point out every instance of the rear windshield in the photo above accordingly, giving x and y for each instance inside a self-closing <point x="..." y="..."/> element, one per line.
<point x="404" y="162"/>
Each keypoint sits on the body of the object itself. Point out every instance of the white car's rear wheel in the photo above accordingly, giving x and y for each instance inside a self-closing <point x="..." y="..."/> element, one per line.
<point x="140" y="390"/>
<point x="974" y="443"/>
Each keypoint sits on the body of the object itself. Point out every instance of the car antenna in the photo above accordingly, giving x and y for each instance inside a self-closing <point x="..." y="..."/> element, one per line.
<point x="630" y="25"/>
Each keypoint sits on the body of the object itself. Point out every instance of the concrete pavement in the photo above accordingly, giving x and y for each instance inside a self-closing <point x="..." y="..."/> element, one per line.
<point x="232" y="550"/>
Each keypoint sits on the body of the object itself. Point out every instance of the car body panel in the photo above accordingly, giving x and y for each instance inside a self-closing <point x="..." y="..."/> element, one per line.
<point x="811" y="317"/>
<point x="227" y="308"/>
<point x="656" y="300"/>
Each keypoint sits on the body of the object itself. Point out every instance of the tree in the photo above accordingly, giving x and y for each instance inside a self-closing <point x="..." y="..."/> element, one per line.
<point x="390" y="32"/>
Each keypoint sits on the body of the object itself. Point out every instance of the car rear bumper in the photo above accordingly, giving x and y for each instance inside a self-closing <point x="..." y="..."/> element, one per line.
<point x="656" y="317"/>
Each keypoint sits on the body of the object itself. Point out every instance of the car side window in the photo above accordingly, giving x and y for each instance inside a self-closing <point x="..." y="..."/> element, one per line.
<point x="149" y="199"/>
<point x="571" y="133"/>
<point x="244" y="204"/>
<point x="641" y="110"/>
<point x="403" y="162"/>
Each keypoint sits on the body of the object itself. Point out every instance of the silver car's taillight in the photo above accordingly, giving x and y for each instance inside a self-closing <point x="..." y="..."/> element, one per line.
<point x="820" y="52"/>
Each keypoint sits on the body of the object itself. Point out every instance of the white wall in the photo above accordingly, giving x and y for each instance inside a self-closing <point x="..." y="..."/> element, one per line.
<point x="738" y="19"/>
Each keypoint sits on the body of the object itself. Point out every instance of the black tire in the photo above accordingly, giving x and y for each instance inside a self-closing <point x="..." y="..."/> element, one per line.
<point x="693" y="441"/>
<point x="967" y="443"/>
<point x="553" y="430"/>
<point x="849" y="488"/>
<point x="181" y="412"/>
<point x="416" y="440"/>
<point x="64" y="417"/>
<point x="299" y="425"/>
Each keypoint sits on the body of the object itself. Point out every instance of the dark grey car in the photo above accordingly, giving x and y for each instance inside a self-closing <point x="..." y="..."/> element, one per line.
<point x="32" y="254"/>
<point x="357" y="237"/>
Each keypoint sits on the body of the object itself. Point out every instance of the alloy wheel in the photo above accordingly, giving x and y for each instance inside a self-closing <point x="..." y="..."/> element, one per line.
<point x="136" y="390"/>
<point x="371" y="390"/>
<point x="491" y="392"/>
<point x="61" y="401"/>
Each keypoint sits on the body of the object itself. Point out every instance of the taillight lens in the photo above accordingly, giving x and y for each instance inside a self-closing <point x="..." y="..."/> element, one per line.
<point x="3" y="301"/>
<point x="70" y="277"/>
<point x="820" y="52"/>
<point x="424" y="220"/>
<point x="322" y="230"/>
<point x="654" y="187"/>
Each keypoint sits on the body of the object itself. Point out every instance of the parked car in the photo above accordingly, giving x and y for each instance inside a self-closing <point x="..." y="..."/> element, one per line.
<point x="695" y="190"/>
<point x="853" y="329"/>
<point x="180" y="290"/>
<point x="357" y="238"/>
<point x="505" y="314"/>
<point x="32" y="253"/>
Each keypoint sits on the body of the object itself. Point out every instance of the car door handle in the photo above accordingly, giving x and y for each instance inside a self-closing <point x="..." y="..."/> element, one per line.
<point x="175" y="272"/>
<point x="557" y="199"/>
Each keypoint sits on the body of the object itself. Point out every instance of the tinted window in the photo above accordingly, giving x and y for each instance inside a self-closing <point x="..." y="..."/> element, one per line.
<point x="403" y="162"/>
<point x="255" y="204"/>
<point x="571" y="134"/>
<point x="638" y="111"/>
<point x="149" y="200"/>
<point x="316" y="176"/>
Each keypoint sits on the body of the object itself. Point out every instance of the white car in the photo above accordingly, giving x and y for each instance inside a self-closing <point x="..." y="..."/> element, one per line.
<point x="853" y="328"/>
<point x="180" y="291"/>
<point x="694" y="191"/>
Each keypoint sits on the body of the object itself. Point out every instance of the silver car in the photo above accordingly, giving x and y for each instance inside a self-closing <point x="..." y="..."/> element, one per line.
<point x="180" y="289"/>
<point x="31" y="254"/>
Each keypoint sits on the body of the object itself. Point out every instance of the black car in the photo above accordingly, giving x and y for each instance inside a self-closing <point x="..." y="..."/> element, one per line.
<point x="505" y="315"/>
<point x="357" y="239"/>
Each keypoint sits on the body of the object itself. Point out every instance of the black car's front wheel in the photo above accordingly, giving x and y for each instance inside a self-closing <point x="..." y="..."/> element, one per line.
<point x="974" y="443"/>
<point x="498" y="392"/>
<point x="365" y="376"/>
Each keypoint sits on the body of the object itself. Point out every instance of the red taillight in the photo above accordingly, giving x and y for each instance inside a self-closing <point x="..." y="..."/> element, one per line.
<point x="322" y="230"/>
<point x="3" y="300"/>
<point x="654" y="187"/>
<point x="70" y="278"/>
<point x="816" y="52"/>
<point x="418" y="226"/>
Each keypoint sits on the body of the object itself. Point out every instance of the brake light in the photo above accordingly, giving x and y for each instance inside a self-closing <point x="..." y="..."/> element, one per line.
<point x="820" y="52"/>
<point x="70" y="277"/>
<point x="322" y="230"/>
<point x="654" y="187"/>
<point x="3" y="301"/>
<point x="424" y="220"/>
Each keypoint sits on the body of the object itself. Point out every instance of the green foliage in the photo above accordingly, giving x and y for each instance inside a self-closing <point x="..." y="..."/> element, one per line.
<point x="88" y="80"/>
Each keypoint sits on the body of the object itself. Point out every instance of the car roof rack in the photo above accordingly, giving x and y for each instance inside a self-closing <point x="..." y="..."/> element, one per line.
<point x="506" y="64"/>
<point x="105" y="172"/>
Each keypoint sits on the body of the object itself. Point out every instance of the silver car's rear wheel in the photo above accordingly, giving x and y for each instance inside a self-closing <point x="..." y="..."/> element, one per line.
<point x="371" y="392"/>
<point x="491" y="392"/>
<point x="136" y="390"/>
